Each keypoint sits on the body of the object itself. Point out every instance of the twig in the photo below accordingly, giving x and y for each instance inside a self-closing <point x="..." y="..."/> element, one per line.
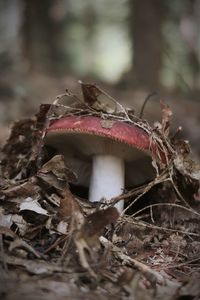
<point x="157" y="180"/>
<point x="150" y="274"/>
<point x="55" y="244"/>
<point x="166" y="204"/>
<point x="145" y="102"/>
<point x="116" y="102"/>
<point x="129" y="220"/>
<point x="139" y="191"/>
<point x="18" y="243"/>
<point x="181" y="264"/>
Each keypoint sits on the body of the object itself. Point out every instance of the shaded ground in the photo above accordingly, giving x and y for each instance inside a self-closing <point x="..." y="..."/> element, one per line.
<point x="56" y="244"/>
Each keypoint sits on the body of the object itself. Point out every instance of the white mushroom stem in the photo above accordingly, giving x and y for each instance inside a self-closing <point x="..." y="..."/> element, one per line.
<point x="107" y="179"/>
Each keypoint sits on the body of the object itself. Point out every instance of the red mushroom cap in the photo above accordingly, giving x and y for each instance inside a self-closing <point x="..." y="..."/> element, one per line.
<point x="80" y="138"/>
<point x="119" y="131"/>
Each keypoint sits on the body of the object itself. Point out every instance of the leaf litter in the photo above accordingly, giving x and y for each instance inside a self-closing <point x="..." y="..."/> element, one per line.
<point x="87" y="250"/>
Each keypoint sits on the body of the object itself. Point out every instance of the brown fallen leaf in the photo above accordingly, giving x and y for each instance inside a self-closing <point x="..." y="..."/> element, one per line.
<point x="95" y="223"/>
<point x="87" y="238"/>
<point x="98" y="99"/>
<point x="69" y="209"/>
<point x="166" y="117"/>
<point x="55" y="174"/>
<point x="25" y="189"/>
<point x="56" y="165"/>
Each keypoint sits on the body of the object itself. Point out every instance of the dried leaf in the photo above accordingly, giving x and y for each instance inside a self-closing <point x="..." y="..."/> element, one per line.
<point x="184" y="163"/>
<point x="17" y="150"/>
<point x="70" y="209"/>
<point x="187" y="166"/>
<point x="53" y="199"/>
<point x="21" y="190"/>
<point x="108" y="124"/>
<point x="97" y="99"/>
<point x="87" y="238"/>
<point x="95" y="223"/>
<point x="9" y="220"/>
<point x="166" y="116"/>
<point x="62" y="227"/>
<point x="42" y="115"/>
<point x="57" y="167"/>
<point x="33" y="205"/>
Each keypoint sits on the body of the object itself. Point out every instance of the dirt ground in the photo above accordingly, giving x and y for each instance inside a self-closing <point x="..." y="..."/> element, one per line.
<point x="55" y="244"/>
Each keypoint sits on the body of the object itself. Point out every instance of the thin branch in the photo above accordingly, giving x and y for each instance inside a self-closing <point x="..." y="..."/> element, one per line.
<point x="145" y="102"/>
<point x="166" y="204"/>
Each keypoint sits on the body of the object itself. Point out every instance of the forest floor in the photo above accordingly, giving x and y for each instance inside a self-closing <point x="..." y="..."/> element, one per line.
<point x="54" y="244"/>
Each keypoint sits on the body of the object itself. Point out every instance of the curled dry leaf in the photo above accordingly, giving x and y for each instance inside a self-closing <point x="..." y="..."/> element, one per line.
<point x="33" y="205"/>
<point x="21" y="190"/>
<point x="14" y="219"/>
<point x="98" y="99"/>
<point x="55" y="173"/>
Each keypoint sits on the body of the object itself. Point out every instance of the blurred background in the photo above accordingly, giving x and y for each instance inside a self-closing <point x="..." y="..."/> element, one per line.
<point x="130" y="48"/>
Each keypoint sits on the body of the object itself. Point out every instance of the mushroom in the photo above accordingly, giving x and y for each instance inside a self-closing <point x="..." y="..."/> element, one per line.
<point x="107" y="155"/>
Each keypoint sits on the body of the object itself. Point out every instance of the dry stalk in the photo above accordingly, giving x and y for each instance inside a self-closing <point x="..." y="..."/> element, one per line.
<point x="150" y="274"/>
<point x="160" y="228"/>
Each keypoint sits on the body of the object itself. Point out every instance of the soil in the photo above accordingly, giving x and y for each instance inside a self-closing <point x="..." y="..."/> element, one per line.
<point x="55" y="244"/>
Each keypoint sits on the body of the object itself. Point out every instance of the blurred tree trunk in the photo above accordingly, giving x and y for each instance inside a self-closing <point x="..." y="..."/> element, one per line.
<point x="146" y="19"/>
<point x="43" y="34"/>
<point x="10" y="14"/>
<point x="189" y="28"/>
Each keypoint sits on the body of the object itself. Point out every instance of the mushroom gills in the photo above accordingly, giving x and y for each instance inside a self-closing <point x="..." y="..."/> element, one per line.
<point x="107" y="178"/>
